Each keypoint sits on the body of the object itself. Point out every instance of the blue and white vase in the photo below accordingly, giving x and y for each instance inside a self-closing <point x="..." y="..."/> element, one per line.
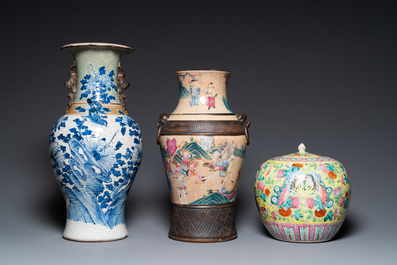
<point x="95" y="148"/>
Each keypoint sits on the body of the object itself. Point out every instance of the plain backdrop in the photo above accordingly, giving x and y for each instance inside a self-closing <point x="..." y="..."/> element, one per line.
<point x="318" y="72"/>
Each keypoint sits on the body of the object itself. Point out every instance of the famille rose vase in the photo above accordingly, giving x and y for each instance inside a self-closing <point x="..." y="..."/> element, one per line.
<point x="95" y="148"/>
<point x="203" y="146"/>
<point x="302" y="197"/>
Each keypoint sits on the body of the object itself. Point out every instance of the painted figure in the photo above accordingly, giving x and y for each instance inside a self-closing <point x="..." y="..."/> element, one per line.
<point x="210" y="93"/>
<point x="194" y="93"/>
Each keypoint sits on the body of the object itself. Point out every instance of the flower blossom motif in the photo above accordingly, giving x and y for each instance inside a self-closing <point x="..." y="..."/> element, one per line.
<point x="341" y="201"/>
<point x="280" y="174"/>
<point x="310" y="202"/>
<point x="323" y="168"/>
<point x="336" y="213"/>
<point x="332" y="175"/>
<point x="342" y="179"/>
<point x="337" y="191"/>
<point x="171" y="146"/>
<point x="267" y="192"/>
<point x="274" y="215"/>
<point x="299" y="165"/>
<point x="260" y="186"/>
<point x="295" y="202"/>
<point x="263" y="210"/>
<point x="177" y="169"/>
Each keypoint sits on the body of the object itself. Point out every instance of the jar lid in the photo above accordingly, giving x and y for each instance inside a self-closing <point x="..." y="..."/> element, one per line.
<point x="302" y="156"/>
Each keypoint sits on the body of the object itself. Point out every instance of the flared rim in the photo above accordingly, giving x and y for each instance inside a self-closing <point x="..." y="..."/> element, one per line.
<point x="126" y="49"/>
<point x="179" y="72"/>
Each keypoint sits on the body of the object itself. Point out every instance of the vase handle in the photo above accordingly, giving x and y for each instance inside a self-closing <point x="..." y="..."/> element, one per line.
<point x="242" y="118"/>
<point x="71" y="85"/>
<point x="159" y="124"/>
<point x="121" y="85"/>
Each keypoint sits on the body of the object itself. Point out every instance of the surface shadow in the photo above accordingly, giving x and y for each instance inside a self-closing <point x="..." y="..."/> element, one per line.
<point x="350" y="226"/>
<point x="145" y="204"/>
<point x="54" y="210"/>
<point x="48" y="205"/>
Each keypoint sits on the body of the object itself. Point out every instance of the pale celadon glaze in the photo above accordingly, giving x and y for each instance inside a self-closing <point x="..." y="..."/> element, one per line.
<point x="95" y="148"/>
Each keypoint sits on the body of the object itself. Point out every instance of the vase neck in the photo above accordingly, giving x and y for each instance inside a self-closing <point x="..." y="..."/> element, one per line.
<point x="97" y="70"/>
<point x="202" y="92"/>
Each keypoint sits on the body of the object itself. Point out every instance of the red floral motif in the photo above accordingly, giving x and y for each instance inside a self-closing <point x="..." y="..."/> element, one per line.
<point x="323" y="168"/>
<point x="267" y="192"/>
<point x="342" y="179"/>
<point x="337" y="191"/>
<point x="260" y="186"/>
<point x="295" y="202"/>
<point x="341" y="201"/>
<point x="263" y="210"/>
<point x="320" y="213"/>
<point x="297" y="165"/>
<point x="280" y="173"/>
<point x="310" y="202"/>
<point x="274" y="215"/>
<point x="285" y="213"/>
<point x="336" y="213"/>
<point x="332" y="175"/>
<point x="171" y="146"/>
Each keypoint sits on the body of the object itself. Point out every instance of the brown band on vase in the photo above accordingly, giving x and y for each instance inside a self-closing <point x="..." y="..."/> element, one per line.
<point x="203" y="223"/>
<point x="203" y="127"/>
<point x="112" y="109"/>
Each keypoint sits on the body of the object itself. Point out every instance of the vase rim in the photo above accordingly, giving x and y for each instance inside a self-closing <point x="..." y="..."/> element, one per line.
<point x="203" y="71"/>
<point x="125" y="48"/>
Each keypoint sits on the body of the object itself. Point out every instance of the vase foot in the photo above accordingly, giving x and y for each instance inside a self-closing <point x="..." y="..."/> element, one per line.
<point x="203" y="223"/>
<point x="83" y="232"/>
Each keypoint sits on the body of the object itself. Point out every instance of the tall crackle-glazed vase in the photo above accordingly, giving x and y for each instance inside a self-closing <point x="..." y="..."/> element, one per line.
<point x="203" y="147"/>
<point x="95" y="148"/>
<point x="302" y="197"/>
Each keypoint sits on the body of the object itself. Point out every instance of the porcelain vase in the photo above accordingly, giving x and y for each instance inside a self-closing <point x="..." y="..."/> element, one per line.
<point x="95" y="148"/>
<point x="203" y="146"/>
<point x="302" y="197"/>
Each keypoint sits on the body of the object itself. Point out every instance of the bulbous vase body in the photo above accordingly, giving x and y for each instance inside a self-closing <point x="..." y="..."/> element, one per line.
<point x="95" y="148"/>
<point x="302" y="197"/>
<point x="203" y="147"/>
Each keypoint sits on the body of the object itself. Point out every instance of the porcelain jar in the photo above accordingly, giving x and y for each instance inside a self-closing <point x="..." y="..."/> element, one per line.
<point x="95" y="148"/>
<point x="203" y="147"/>
<point x="302" y="197"/>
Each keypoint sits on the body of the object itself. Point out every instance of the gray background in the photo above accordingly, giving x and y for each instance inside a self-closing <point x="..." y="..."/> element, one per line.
<point x="318" y="72"/>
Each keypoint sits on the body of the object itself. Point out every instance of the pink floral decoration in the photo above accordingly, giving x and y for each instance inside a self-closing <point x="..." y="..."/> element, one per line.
<point x="171" y="146"/>
<point x="280" y="173"/>
<point x="260" y="186"/>
<point x="342" y="179"/>
<point x="274" y="215"/>
<point x="341" y="201"/>
<point x="337" y="191"/>
<point x="323" y="168"/>
<point x="310" y="202"/>
<point x="295" y="202"/>
<point x="336" y="213"/>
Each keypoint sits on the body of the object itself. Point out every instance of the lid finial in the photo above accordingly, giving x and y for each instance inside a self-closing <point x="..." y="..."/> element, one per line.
<point x="301" y="148"/>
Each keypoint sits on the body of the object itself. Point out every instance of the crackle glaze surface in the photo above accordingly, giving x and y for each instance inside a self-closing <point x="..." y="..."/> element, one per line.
<point x="95" y="151"/>
<point x="203" y="169"/>
<point x="302" y="197"/>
